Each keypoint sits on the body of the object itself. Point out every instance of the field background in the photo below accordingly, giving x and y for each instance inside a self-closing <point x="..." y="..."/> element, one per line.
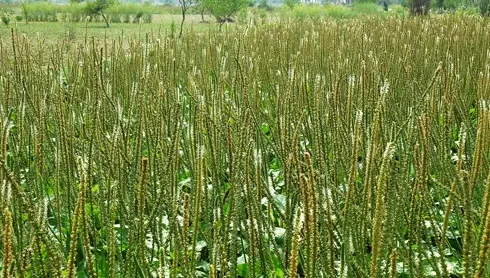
<point x="295" y="144"/>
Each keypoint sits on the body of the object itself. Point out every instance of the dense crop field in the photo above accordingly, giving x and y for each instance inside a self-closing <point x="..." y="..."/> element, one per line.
<point x="326" y="148"/>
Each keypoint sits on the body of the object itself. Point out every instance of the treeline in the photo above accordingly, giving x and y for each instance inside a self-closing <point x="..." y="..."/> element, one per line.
<point x="76" y="12"/>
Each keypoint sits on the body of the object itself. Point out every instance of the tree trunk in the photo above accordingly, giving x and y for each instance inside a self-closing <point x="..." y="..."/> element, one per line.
<point x="105" y="19"/>
<point x="182" y="23"/>
<point x="419" y="7"/>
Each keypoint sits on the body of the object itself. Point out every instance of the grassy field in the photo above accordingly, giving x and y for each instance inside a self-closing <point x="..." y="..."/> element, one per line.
<point x="53" y="32"/>
<point x="295" y="148"/>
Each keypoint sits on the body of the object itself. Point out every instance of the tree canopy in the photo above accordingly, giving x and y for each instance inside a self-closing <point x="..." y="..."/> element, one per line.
<point x="97" y="7"/>
<point x="223" y="10"/>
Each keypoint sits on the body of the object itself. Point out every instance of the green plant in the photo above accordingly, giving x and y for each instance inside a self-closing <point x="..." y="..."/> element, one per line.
<point x="398" y="11"/>
<point x="5" y="19"/>
<point x="366" y="9"/>
<point x="223" y="10"/>
<point x="39" y="12"/>
<point x="97" y="8"/>
<point x="147" y="17"/>
<point x="242" y="16"/>
<point x="420" y="7"/>
<point x="290" y="3"/>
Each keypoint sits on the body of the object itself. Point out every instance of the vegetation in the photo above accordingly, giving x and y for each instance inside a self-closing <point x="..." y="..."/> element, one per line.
<point x="420" y="7"/>
<point x="278" y="150"/>
<point x="98" y="8"/>
<point x="223" y="10"/>
<point x="291" y="3"/>
<point x="185" y="5"/>
<point x="5" y="19"/>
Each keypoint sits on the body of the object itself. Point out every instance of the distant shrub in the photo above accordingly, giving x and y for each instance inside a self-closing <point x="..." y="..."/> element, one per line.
<point x="258" y="13"/>
<point x="41" y="11"/>
<point x="265" y="6"/>
<point x="76" y="11"/>
<point x="309" y="11"/>
<point x="126" y="18"/>
<point x="64" y="17"/>
<point x="242" y="16"/>
<point x="147" y="17"/>
<point x="137" y="17"/>
<point x="468" y="11"/>
<point x="335" y="11"/>
<point x="125" y="12"/>
<point x="338" y="11"/>
<point x="398" y="11"/>
<point x="5" y="19"/>
<point x="7" y="9"/>
<point x="115" y="18"/>
<point x="366" y="8"/>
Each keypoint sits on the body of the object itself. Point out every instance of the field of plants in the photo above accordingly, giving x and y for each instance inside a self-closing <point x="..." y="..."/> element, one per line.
<point x="297" y="148"/>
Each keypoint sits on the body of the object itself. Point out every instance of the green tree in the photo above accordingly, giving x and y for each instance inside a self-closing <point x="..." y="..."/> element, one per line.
<point x="223" y="10"/>
<point x="6" y="19"/>
<point x="485" y="7"/>
<point x="201" y="9"/>
<point x="25" y="11"/>
<point x="291" y="3"/>
<point x="185" y="5"/>
<point x="97" y="7"/>
<point x="419" y="7"/>
<point x="264" y="5"/>
<point x="440" y="4"/>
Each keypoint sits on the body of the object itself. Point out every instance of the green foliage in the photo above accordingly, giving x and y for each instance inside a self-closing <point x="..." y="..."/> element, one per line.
<point x="420" y="7"/>
<point x="5" y="19"/>
<point x="338" y="11"/>
<point x="40" y="12"/>
<point x="98" y="8"/>
<point x="242" y="16"/>
<point x="290" y="3"/>
<point x="465" y="12"/>
<point x="367" y="8"/>
<point x="335" y="11"/>
<point x="484" y="7"/>
<point x="92" y="8"/>
<point x="223" y="10"/>
<point x="127" y="13"/>
<point x="264" y="4"/>
<point x="76" y="12"/>
<point x="398" y="11"/>
<point x="365" y="1"/>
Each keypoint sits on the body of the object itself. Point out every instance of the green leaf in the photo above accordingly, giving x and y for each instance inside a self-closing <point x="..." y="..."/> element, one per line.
<point x="242" y="268"/>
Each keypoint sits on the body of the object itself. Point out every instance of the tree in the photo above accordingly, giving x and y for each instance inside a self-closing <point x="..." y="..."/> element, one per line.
<point x="440" y="4"/>
<point x="264" y="5"/>
<point x="484" y="7"/>
<point x="419" y="7"/>
<point x="291" y="3"/>
<point x="223" y="10"/>
<point x="97" y="7"/>
<point x="201" y="9"/>
<point x="6" y="19"/>
<point x="185" y="5"/>
<point x="25" y="11"/>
